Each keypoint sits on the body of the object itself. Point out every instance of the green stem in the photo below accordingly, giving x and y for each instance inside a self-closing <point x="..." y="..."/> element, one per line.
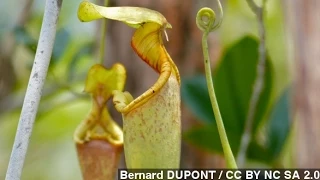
<point x="231" y="163"/>
<point x="102" y="41"/>
<point x="205" y="22"/>
<point x="103" y="36"/>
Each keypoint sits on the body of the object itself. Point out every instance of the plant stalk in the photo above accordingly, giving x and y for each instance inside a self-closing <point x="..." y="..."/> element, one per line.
<point x="34" y="90"/>
<point x="258" y="84"/>
<point x="103" y="36"/>
<point x="206" y="23"/>
<point x="231" y="163"/>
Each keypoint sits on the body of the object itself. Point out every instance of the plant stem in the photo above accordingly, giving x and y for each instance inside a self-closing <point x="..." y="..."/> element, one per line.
<point x="34" y="90"/>
<point x="206" y="23"/>
<point x="103" y="36"/>
<point x="231" y="163"/>
<point x="258" y="84"/>
<point x="102" y="40"/>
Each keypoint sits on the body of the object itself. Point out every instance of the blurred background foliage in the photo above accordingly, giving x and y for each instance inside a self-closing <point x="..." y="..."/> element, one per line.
<point x="234" y="52"/>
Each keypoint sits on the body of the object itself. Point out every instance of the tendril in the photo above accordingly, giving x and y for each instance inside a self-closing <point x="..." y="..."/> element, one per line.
<point x="206" y="23"/>
<point x="206" y="18"/>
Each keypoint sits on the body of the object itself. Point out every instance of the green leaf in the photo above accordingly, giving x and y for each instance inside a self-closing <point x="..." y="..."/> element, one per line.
<point x="233" y="81"/>
<point x="22" y="36"/>
<point x="195" y="94"/>
<point x="207" y="138"/>
<point x="258" y="152"/>
<point x="74" y="66"/>
<point x="60" y="44"/>
<point x="278" y="127"/>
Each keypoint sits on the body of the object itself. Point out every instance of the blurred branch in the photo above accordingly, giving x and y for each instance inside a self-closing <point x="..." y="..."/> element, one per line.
<point x="254" y="7"/>
<point x="258" y="84"/>
<point x="25" y="14"/>
<point x="34" y="90"/>
<point x="7" y="48"/>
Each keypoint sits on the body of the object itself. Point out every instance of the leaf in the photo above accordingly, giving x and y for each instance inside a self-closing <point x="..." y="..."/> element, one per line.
<point x="258" y="152"/>
<point x="24" y="37"/>
<point x="60" y="45"/>
<point x="133" y="16"/>
<point x="278" y="127"/>
<point x="77" y="63"/>
<point x="233" y="81"/>
<point x="195" y="94"/>
<point x="207" y="138"/>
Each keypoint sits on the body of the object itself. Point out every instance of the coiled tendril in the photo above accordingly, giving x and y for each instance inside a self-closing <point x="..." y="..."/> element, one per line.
<point x="206" y="23"/>
<point x="206" y="18"/>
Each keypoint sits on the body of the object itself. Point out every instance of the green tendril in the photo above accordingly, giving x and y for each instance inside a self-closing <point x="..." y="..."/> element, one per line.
<point x="206" y="18"/>
<point x="206" y="22"/>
